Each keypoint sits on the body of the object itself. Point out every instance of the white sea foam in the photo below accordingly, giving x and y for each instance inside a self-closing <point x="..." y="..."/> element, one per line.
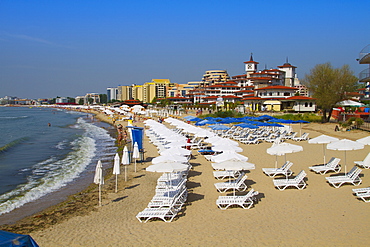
<point x="52" y="174"/>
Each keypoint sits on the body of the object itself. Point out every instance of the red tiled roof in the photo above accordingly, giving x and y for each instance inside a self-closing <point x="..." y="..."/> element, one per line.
<point x="361" y="89"/>
<point x="300" y="98"/>
<point x="251" y="98"/>
<point x="252" y="62"/>
<point x="230" y="97"/>
<point x="276" y="87"/>
<point x="287" y="65"/>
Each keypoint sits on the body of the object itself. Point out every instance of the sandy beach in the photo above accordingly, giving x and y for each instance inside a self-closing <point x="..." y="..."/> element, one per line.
<point x="318" y="215"/>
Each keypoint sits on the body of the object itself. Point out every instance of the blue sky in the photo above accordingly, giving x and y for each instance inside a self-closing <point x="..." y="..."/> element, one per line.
<point x="70" y="48"/>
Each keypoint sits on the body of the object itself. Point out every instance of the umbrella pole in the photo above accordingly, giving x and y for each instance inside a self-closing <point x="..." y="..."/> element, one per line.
<point x="99" y="195"/>
<point x="323" y="148"/>
<point x="135" y="164"/>
<point x="276" y="162"/>
<point x="116" y="183"/>
<point x="345" y="162"/>
<point x="125" y="173"/>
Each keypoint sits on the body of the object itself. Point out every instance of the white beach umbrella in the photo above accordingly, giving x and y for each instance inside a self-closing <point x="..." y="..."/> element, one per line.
<point x="228" y="155"/>
<point x="125" y="160"/>
<point x="135" y="153"/>
<point x="345" y="145"/>
<point x="116" y="168"/>
<point x="169" y="158"/>
<point x="365" y="140"/>
<point x="283" y="149"/>
<point x="167" y="167"/>
<point x="224" y="147"/>
<point x="233" y="165"/>
<point x="323" y="139"/>
<point x="176" y="150"/>
<point x="98" y="178"/>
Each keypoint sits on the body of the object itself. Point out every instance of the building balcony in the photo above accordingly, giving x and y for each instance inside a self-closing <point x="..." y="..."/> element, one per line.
<point x="364" y="75"/>
<point x="365" y="55"/>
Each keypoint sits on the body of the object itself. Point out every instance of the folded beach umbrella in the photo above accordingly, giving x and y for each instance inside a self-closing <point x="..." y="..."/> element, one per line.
<point x="98" y="178"/>
<point x="116" y="168"/>
<point x="125" y="160"/>
<point x="345" y="145"/>
<point x="135" y="153"/>
<point x="323" y="139"/>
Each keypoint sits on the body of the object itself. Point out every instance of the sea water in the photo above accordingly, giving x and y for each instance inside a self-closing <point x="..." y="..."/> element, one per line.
<point x="43" y="150"/>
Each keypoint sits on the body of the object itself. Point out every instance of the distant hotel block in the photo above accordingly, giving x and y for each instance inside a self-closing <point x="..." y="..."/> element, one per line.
<point x="271" y="89"/>
<point x="364" y="75"/>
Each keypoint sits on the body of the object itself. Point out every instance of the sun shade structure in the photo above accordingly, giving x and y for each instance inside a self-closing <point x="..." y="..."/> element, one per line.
<point x="283" y="149"/>
<point x="345" y="145"/>
<point x="323" y="139"/>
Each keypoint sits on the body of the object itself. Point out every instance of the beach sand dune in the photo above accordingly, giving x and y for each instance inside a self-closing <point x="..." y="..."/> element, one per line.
<point x="318" y="215"/>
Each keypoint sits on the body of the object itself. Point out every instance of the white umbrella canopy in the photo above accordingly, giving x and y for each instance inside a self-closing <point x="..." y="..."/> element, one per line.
<point x="224" y="141"/>
<point x="98" y="178"/>
<point x="365" y="140"/>
<point x="169" y="158"/>
<point x="283" y="149"/>
<point x="228" y="155"/>
<point x="225" y="147"/>
<point x="323" y="139"/>
<point x="125" y="160"/>
<point x="167" y="167"/>
<point x="233" y="165"/>
<point x="345" y="145"/>
<point x="176" y="150"/>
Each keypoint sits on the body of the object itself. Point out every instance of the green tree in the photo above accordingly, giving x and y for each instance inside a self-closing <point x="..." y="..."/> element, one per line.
<point x="81" y="101"/>
<point x="103" y="98"/>
<point x="329" y="86"/>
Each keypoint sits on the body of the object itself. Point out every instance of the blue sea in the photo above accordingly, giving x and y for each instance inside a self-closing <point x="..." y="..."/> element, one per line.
<point x="45" y="150"/>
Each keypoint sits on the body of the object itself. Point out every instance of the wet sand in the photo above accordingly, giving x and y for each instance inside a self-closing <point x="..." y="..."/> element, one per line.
<point x="317" y="215"/>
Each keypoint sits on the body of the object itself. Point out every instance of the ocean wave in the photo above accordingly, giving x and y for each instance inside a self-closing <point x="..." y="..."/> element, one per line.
<point x="52" y="174"/>
<point x="12" y="144"/>
<point x="15" y="117"/>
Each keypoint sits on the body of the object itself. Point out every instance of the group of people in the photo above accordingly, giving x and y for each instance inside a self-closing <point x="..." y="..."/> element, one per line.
<point x="122" y="134"/>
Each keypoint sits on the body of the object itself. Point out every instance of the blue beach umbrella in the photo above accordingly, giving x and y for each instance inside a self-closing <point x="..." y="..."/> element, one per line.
<point x="219" y="127"/>
<point x="245" y="125"/>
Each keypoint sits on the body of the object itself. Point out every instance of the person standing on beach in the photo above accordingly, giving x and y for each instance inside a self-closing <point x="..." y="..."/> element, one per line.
<point x="120" y="133"/>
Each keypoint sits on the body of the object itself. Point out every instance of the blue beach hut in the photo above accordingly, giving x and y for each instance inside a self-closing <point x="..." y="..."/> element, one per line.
<point x="13" y="239"/>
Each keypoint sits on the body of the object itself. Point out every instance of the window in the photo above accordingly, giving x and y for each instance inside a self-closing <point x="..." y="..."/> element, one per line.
<point x="310" y="104"/>
<point x="306" y="104"/>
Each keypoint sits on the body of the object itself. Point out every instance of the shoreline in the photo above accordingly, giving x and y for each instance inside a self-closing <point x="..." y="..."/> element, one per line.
<point x="300" y="214"/>
<point x="59" y="205"/>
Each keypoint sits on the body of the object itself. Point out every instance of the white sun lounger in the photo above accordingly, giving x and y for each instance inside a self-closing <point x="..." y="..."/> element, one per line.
<point x="304" y="137"/>
<point x="332" y="165"/>
<point x="246" y="201"/>
<point x="363" y="193"/>
<point x="365" y="163"/>
<point x="284" y="170"/>
<point x="353" y="177"/>
<point x="297" y="182"/>
<point x="237" y="184"/>
<point x="165" y="214"/>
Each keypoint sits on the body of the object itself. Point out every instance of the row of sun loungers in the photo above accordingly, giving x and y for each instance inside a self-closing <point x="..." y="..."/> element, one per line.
<point x="169" y="198"/>
<point x="267" y="134"/>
